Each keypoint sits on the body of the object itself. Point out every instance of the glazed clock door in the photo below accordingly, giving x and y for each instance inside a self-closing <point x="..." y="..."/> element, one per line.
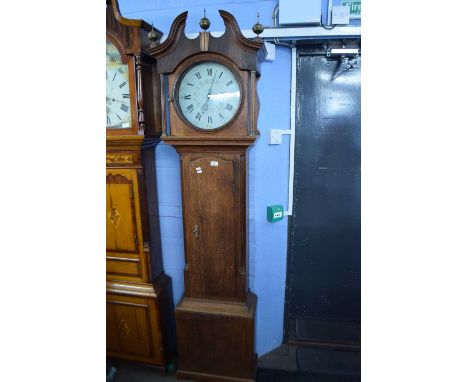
<point x="118" y="106"/>
<point x="121" y="108"/>
<point x="208" y="95"/>
<point x="210" y="225"/>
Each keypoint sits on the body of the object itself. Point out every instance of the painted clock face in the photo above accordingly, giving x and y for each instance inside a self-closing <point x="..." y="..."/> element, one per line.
<point x="118" y="107"/>
<point x="208" y="95"/>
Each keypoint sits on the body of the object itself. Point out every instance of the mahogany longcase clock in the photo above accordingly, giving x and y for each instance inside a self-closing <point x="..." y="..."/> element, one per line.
<point x="210" y="87"/>
<point x="139" y="298"/>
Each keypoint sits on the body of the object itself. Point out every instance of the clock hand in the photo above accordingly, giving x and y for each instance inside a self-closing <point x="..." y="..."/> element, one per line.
<point x="211" y="87"/>
<point x="205" y="105"/>
<point x="115" y="99"/>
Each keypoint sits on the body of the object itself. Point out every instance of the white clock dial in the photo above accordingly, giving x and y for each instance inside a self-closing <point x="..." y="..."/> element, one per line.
<point x="117" y="91"/>
<point x="208" y="95"/>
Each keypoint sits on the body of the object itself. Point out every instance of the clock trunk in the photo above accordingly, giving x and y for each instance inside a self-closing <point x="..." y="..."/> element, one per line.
<point x="214" y="216"/>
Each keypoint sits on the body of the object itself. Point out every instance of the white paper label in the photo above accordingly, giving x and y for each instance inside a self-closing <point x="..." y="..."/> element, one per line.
<point x="214" y="163"/>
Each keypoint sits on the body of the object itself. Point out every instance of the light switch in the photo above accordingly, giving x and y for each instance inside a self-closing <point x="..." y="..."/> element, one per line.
<point x="276" y="137"/>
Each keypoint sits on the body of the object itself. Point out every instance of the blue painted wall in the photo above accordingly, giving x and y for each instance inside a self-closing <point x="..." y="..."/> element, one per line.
<point x="268" y="165"/>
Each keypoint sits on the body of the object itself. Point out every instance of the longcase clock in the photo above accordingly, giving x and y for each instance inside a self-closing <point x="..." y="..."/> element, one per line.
<point x="139" y="298"/>
<point x="209" y="85"/>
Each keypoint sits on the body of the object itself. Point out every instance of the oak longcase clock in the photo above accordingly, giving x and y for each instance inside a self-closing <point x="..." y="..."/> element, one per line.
<point x="209" y="85"/>
<point x="139" y="298"/>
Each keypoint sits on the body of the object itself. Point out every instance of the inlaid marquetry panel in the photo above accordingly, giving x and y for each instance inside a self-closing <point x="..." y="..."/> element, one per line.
<point x="123" y="230"/>
<point x="120" y="159"/>
<point x="132" y="328"/>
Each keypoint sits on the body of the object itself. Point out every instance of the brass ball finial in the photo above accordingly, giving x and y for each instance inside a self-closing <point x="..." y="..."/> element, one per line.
<point x="152" y="35"/>
<point x="258" y="28"/>
<point x="204" y="22"/>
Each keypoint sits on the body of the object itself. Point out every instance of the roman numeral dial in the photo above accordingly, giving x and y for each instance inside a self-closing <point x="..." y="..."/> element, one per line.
<point x="208" y="95"/>
<point x="118" y="106"/>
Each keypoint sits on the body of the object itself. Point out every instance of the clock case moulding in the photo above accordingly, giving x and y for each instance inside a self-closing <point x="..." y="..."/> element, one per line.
<point x="215" y="318"/>
<point x="140" y="317"/>
<point x="178" y="52"/>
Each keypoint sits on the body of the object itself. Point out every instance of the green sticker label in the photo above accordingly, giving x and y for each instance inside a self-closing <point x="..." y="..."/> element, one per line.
<point x="354" y="8"/>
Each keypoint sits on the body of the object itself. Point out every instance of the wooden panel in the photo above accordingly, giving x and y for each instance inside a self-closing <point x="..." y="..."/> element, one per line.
<point x="133" y="330"/>
<point x="217" y="341"/>
<point x="112" y="339"/>
<point x="212" y="255"/>
<point x="123" y="230"/>
<point x="150" y="93"/>
<point x="124" y="267"/>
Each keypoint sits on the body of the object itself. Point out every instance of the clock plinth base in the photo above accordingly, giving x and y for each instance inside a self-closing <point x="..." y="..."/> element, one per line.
<point x="139" y="322"/>
<point x="215" y="339"/>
